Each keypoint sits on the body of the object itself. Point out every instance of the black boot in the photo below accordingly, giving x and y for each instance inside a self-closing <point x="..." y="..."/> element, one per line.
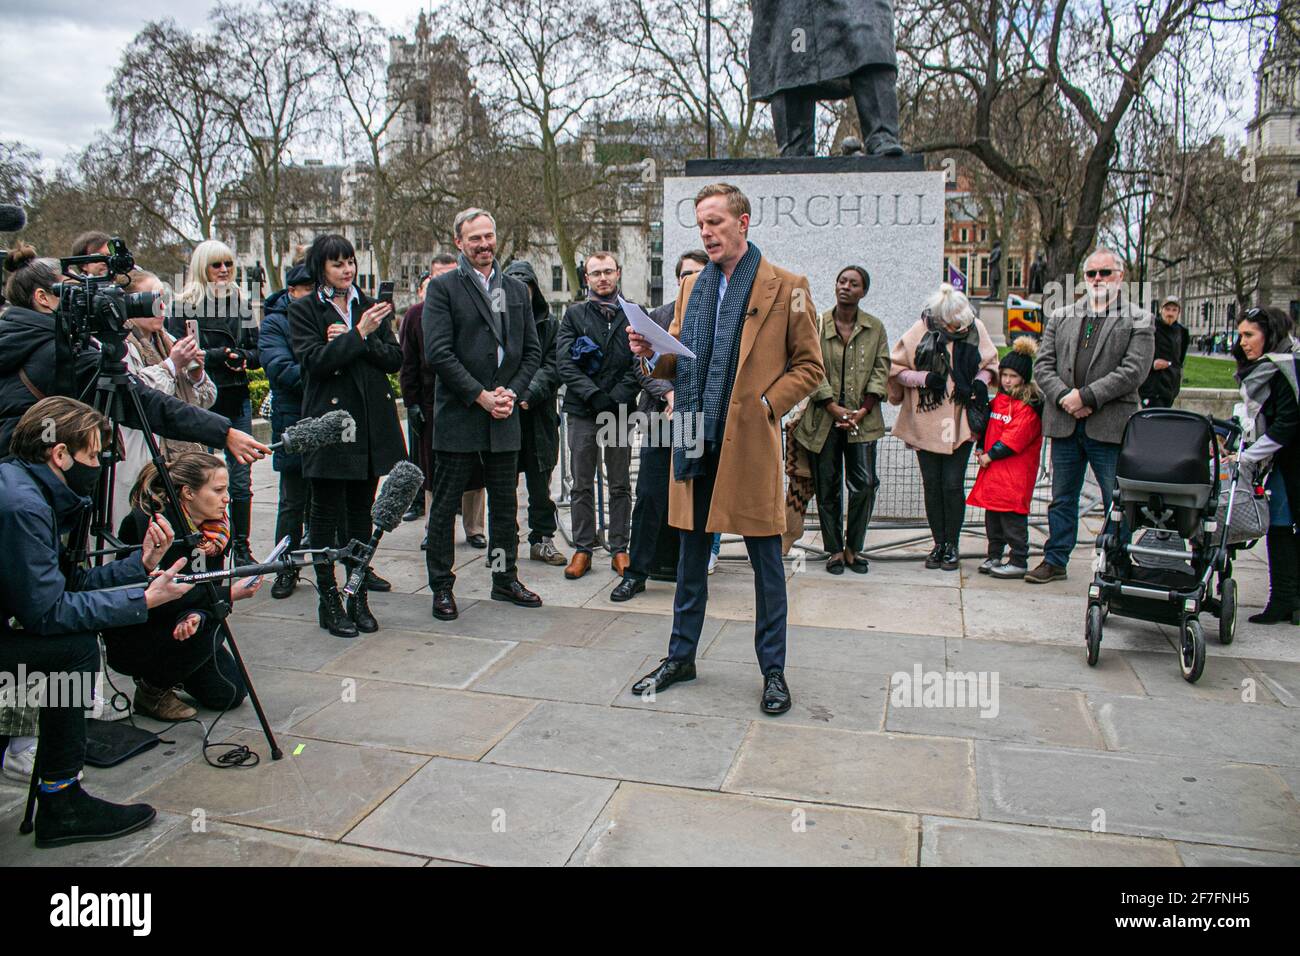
<point x="359" y="612"/>
<point x="73" y="816"/>
<point x="241" y="521"/>
<point x="330" y="613"/>
<point x="1283" y="578"/>
<point x="285" y="582"/>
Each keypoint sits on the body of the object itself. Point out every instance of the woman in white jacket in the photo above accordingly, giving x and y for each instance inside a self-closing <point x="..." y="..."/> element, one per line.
<point x="173" y="366"/>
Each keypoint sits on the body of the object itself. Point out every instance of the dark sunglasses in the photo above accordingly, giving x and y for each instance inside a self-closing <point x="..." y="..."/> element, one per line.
<point x="227" y="264"/>
<point x="1095" y="273"/>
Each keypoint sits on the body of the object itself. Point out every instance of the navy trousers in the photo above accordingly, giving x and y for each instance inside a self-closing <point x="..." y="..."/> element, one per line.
<point x="692" y="595"/>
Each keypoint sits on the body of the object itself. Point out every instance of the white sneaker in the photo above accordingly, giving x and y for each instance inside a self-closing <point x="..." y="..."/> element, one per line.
<point x="18" y="766"/>
<point x="713" y="563"/>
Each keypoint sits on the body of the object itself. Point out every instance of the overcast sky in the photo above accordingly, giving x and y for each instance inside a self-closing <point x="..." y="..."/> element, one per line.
<point x="59" y="55"/>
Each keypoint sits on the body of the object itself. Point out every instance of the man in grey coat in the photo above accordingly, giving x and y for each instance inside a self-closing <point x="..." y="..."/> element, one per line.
<point x="1094" y="356"/>
<point x="801" y="51"/>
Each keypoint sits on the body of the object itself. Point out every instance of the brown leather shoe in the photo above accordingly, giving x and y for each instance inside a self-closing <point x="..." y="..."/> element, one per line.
<point x="620" y="563"/>
<point x="579" y="566"/>
<point x="161" y="704"/>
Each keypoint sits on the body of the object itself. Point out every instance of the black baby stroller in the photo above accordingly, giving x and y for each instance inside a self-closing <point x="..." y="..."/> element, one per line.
<point x="1167" y="491"/>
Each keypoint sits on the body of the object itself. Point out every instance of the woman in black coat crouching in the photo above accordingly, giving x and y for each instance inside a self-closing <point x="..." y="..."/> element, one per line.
<point x="181" y="645"/>
<point x="345" y="345"/>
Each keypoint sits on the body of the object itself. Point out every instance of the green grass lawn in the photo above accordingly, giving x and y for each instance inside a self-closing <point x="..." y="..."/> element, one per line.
<point x="1200" y="372"/>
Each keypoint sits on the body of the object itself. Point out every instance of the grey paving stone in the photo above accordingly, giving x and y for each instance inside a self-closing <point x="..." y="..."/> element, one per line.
<point x="731" y="595"/>
<point x="183" y="744"/>
<point x="1043" y="617"/>
<point x="875" y="605"/>
<point x="673" y="749"/>
<point x="408" y="657"/>
<point x="846" y="701"/>
<point x="1200" y="854"/>
<point x="1026" y="715"/>
<point x="834" y="649"/>
<point x="1250" y="733"/>
<point x="948" y="842"/>
<point x="884" y="771"/>
<point x="1044" y="665"/>
<point x="19" y="850"/>
<point x="225" y="844"/>
<point x="581" y="675"/>
<point x="544" y="625"/>
<point x="1281" y="678"/>
<point x="265" y="637"/>
<point x="486" y="814"/>
<point x="1221" y="681"/>
<point x="645" y="634"/>
<point x="1178" y="798"/>
<point x="287" y="696"/>
<point x="321" y="792"/>
<point x="660" y="826"/>
<point x="424" y="720"/>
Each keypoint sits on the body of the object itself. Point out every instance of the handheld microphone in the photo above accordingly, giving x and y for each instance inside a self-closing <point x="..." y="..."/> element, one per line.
<point x="12" y="218"/>
<point x="402" y="485"/>
<point x="311" y="433"/>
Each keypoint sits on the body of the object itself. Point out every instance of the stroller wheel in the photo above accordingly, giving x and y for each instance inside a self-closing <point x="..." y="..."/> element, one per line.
<point x="1227" y="611"/>
<point x="1191" y="653"/>
<point x="1092" y="633"/>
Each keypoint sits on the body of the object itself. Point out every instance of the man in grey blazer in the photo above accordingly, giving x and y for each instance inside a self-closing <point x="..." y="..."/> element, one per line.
<point x="1094" y="356"/>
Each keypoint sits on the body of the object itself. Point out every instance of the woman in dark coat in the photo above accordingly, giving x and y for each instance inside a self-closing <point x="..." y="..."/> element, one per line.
<point x="346" y="348"/>
<point x="228" y="338"/>
<point x="1266" y="370"/>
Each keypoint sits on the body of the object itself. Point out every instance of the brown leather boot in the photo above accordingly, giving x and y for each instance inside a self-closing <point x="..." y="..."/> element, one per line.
<point x="161" y="704"/>
<point x="620" y="563"/>
<point x="579" y="566"/>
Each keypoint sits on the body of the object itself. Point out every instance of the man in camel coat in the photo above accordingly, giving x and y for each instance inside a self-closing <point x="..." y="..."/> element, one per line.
<point x="753" y="329"/>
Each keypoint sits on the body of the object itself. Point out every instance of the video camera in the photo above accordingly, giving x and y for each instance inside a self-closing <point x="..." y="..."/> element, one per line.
<point x="96" y="305"/>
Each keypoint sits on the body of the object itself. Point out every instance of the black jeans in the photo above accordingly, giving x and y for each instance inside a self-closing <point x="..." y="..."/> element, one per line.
<point x="291" y="514"/>
<point x="339" y="507"/>
<point x="202" y="666"/>
<point x="451" y="473"/>
<point x="943" y="478"/>
<point x="1008" y="529"/>
<point x="842" y="462"/>
<point x="650" y="513"/>
<point x="62" y="729"/>
<point x="542" y="521"/>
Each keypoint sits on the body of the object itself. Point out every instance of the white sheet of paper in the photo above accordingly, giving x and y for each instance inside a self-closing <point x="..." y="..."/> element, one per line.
<point x="649" y="329"/>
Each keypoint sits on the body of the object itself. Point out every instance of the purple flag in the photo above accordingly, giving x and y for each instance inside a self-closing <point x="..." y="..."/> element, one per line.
<point x="955" y="278"/>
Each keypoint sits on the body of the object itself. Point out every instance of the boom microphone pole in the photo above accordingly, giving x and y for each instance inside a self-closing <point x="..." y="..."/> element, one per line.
<point x="403" y="484"/>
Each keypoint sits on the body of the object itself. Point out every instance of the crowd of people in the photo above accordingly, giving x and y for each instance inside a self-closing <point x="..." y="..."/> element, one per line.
<point x="766" y="390"/>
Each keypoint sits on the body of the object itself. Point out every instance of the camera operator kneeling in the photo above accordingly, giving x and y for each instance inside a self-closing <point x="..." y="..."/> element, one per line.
<point x="48" y="622"/>
<point x="182" y="644"/>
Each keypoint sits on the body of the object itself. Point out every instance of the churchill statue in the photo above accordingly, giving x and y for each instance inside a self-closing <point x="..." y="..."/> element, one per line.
<point x="802" y="51"/>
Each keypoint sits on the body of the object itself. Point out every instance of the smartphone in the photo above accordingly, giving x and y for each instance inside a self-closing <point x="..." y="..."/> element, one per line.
<point x="192" y="328"/>
<point x="385" y="293"/>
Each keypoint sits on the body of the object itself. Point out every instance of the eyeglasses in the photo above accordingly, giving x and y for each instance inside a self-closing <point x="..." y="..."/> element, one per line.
<point x="1098" y="273"/>
<point x="603" y="273"/>
<point x="222" y="265"/>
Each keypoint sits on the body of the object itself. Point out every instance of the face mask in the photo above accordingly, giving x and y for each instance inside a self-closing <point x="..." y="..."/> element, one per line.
<point x="82" y="479"/>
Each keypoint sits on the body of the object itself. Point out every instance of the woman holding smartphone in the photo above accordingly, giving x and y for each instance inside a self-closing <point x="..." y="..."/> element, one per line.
<point x="212" y="305"/>
<point x="346" y="348"/>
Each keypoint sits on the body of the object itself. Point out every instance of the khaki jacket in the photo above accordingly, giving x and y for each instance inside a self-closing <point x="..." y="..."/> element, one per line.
<point x="864" y="364"/>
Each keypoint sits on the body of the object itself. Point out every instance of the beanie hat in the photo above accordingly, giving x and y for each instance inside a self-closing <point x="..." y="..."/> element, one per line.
<point x="1021" y="357"/>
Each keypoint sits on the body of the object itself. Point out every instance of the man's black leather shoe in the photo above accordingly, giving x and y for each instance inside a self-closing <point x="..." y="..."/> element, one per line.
<point x="776" y="693"/>
<point x="664" y="676"/>
<point x="444" y="606"/>
<point x="285" y="582"/>
<point x="476" y="541"/>
<point x="516" y="594"/>
<point x="414" y="513"/>
<point x="626" y="589"/>
<point x="375" y="583"/>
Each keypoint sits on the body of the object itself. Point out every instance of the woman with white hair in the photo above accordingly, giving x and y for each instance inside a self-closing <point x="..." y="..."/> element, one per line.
<point x="940" y="373"/>
<point x="228" y="339"/>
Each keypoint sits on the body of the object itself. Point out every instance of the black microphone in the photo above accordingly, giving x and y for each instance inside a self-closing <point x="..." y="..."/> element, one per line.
<point x="402" y="485"/>
<point x="332" y="428"/>
<point x="12" y="218"/>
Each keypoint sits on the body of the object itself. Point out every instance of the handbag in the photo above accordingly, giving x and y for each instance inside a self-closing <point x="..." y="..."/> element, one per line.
<point x="1249" y="519"/>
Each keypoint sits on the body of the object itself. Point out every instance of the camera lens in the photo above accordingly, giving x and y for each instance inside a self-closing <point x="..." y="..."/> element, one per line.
<point x="141" y="305"/>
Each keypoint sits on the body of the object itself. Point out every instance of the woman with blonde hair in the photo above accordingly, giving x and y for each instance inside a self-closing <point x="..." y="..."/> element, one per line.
<point x="940" y="373"/>
<point x="172" y="366"/>
<point x="228" y="340"/>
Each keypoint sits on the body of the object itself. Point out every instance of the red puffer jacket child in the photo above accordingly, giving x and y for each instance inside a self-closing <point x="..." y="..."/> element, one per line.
<point x="1014" y="440"/>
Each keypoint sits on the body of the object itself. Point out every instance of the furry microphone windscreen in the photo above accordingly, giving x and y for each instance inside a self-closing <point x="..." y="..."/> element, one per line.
<point x="12" y="218"/>
<point x="404" y="482"/>
<point x="312" y="433"/>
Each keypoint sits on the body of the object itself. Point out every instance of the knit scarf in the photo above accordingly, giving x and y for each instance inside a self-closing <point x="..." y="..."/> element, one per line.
<point x="154" y="349"/>
<point x="703" y="384"/>
<point x="932" y="356"/>
<point x="1256" y="380"/>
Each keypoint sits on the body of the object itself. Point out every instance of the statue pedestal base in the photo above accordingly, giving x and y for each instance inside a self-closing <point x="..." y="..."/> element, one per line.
<point x="816" y="215"/>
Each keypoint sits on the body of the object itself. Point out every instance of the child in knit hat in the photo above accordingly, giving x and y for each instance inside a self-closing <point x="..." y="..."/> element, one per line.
<point x="1009" y="462"/>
